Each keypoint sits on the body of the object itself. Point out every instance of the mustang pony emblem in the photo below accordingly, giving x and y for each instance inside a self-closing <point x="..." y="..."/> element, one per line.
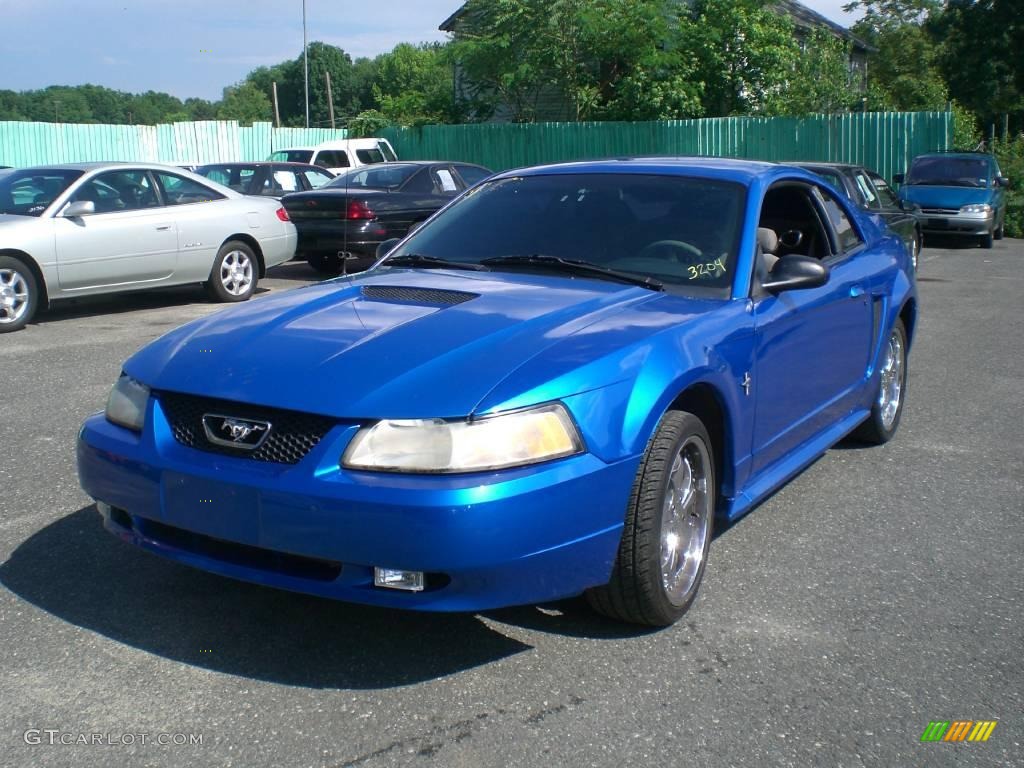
<point x="235" y="433"/>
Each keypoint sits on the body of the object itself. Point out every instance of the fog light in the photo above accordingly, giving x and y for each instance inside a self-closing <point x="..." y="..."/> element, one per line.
<point x="410" y="581"/>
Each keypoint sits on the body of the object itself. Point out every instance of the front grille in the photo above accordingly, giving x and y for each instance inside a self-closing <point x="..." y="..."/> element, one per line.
<point x="293" y="434"/>
<point x="416" y="295"/>
<point x="941" y="211"/>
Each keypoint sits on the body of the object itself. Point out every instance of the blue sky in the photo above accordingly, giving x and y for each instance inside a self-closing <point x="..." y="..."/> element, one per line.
<point x="196" y="47"/>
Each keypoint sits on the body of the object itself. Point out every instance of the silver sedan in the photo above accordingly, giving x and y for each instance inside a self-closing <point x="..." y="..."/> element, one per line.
<point x="82" y="229"/>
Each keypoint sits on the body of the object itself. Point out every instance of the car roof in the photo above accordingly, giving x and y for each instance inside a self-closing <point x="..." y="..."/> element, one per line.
<point x="723" y="168"/>
<point x="837" y="166"/>
<point x="101" y="165"/>
<point x="260" y="163"/>
<point x="972" y="155"/>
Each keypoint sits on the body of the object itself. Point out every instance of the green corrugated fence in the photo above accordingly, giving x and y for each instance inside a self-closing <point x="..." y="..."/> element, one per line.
<point x="884" y="141"/>
<point x="23" y="144"/>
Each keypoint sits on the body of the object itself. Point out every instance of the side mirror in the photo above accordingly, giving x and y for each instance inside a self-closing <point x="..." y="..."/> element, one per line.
<point x="897" y="178"/>
<point x="1002" y="181"/>
<point x="387" y="247"/>
<point x="794" y="272"/>
<point x="79" y="208"/>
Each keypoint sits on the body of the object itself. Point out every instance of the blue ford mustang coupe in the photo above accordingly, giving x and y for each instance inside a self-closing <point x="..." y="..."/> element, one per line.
<point x="552" y="388"/>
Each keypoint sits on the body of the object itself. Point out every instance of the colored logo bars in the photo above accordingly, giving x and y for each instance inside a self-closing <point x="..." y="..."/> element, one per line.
<point x="959" y="730"/>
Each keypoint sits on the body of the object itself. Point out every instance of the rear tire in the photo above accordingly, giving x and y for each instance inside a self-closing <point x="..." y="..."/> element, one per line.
<point x="19" y="294"/>
<point x="669" y="523"/>
<point x="887" y="408"/>
<point x="235" y="273"/>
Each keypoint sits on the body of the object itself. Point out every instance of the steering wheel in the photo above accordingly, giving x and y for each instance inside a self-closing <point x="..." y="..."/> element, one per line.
<point x="679" y="251"/>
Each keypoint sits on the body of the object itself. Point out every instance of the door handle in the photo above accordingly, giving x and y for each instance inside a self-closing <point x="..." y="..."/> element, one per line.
<point x="163" y="227"/>
<point x="857" y="291"/>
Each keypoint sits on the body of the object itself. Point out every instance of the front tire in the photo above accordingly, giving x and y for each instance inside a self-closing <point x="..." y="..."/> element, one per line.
<point x="235" y="273"/>
<point x="887" y="409"/>
<point x="986" y="240"/>
<point x="998" y="234"/>
<point x="669" y="522"/>
<point x="19" y="294"/>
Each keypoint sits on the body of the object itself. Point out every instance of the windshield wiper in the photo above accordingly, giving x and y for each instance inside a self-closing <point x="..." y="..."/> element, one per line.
<point x="431" y="262"/>
<point x="574" y="265"/>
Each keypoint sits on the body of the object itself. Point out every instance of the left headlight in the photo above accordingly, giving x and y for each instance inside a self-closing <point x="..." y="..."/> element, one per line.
<point x="126" y="405"/>
<point x="438" y="446"/>
<point x="977" y="208"/>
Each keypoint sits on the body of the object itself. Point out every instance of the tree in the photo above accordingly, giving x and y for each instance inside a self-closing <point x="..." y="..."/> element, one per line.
<point x="903" y="70"/>
<point x="601" y="59"/>
<point x="414" y="85"/>
<point x="245" y="103"/>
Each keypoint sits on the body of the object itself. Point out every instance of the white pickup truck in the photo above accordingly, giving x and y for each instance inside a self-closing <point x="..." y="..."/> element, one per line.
<point x="337" y="156"/>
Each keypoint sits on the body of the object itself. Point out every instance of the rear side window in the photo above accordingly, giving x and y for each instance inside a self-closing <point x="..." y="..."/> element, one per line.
<point x="370" y="156"/>
<point x="846" y="233"/>
<point x="332" y="158"/>
<point x="867" y="191"/>
<point x="885" y="193"/>
<point x="181" y="191"/>
<point x="388" y="153"/>
<point x="316" y="178"/>
<point x="472" y="174"/>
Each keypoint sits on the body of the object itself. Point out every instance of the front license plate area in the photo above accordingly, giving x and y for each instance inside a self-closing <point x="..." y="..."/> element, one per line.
<point x="938" y="223"/>
<point x="217" y="509"/>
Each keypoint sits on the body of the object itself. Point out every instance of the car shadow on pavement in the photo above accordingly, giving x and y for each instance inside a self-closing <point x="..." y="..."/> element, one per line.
<point x="81" y="574"/>
<point x="115" y="304"/>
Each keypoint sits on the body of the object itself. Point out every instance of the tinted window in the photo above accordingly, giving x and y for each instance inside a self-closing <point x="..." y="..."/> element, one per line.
<point x="472" y="174"/>
<point x="316" y="178"/>
<point x="370" y="156"/>
<point x="420" y="184"/>
<point x="679" y="230"/>
<point x="332" y="158"/>
<point x="292" y="156"/>
<point x="845" y="231"/>
<point x="389" y="154"/>
<point x="888" y="197"/>
<point x="380" y="177"/>
<point x="867" y="190"/>
<point x="938" y="170"/>
<point x="237" y="177"/>
<point x="181" y="191"/>
<point x="29" y="192"/>
<point x="118" y="191"/>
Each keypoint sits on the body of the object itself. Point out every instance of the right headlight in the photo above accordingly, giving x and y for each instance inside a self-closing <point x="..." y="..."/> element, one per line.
<point x="437" y="446"/>
<point x="976" y="208"/>
<point x="126" y="405"/>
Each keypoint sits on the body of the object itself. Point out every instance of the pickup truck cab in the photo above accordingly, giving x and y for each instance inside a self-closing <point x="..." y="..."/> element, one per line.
<point x="337" y="156"/>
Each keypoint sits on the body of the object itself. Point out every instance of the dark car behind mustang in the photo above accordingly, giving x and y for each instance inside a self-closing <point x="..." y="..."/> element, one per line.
<point x="341" y="224"/>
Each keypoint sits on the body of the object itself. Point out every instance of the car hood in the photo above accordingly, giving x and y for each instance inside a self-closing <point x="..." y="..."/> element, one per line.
<point x="395" y="343"/>
<point x="928" y="196"/>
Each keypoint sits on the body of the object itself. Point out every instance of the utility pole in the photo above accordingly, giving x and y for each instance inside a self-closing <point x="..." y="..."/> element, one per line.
<point x="305" y="58"/>
<point x="330" y="98"/>
<point x="277" y="110"/>
<point x="56" y="110"/>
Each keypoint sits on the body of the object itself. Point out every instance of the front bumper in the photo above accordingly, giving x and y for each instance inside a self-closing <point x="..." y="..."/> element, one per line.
<point x="955" y="222"/>
<point x="516" y="537"/>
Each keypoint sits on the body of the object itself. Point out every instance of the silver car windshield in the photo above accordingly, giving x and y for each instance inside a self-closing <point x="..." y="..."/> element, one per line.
<point x="30" y="191"/>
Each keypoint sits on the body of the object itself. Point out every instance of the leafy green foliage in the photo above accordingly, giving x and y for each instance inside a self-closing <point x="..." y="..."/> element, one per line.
<point x="1009" y="153"/>
<point x="245" y="103"/>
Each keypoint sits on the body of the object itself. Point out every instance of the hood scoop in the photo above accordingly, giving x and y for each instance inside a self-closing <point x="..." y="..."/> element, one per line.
<point x="408" y="295"/>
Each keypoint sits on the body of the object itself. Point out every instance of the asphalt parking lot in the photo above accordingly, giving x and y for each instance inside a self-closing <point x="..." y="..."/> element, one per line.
<point x="878" y="591"/>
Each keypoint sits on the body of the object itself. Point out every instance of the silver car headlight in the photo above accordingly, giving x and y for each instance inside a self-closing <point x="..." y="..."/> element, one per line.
<point x="438" y="446"/>
<point x="976" y="208"/>
<point x="126" y="405"/>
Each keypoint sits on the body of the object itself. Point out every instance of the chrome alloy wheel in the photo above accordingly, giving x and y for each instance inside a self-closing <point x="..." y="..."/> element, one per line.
<point x="13" y="296"/>
<point x="236" y="273"/>
<point x="685" y="520"/>
<point x="892" y="380"/>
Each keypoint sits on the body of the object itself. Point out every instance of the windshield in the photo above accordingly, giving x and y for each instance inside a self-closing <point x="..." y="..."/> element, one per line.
<point x="30" y="191"/>
<point x="292" y="156"/>
<point x="378" y="177"/>
<point x="949" y="171"/>
<point x="682" y="232"/>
